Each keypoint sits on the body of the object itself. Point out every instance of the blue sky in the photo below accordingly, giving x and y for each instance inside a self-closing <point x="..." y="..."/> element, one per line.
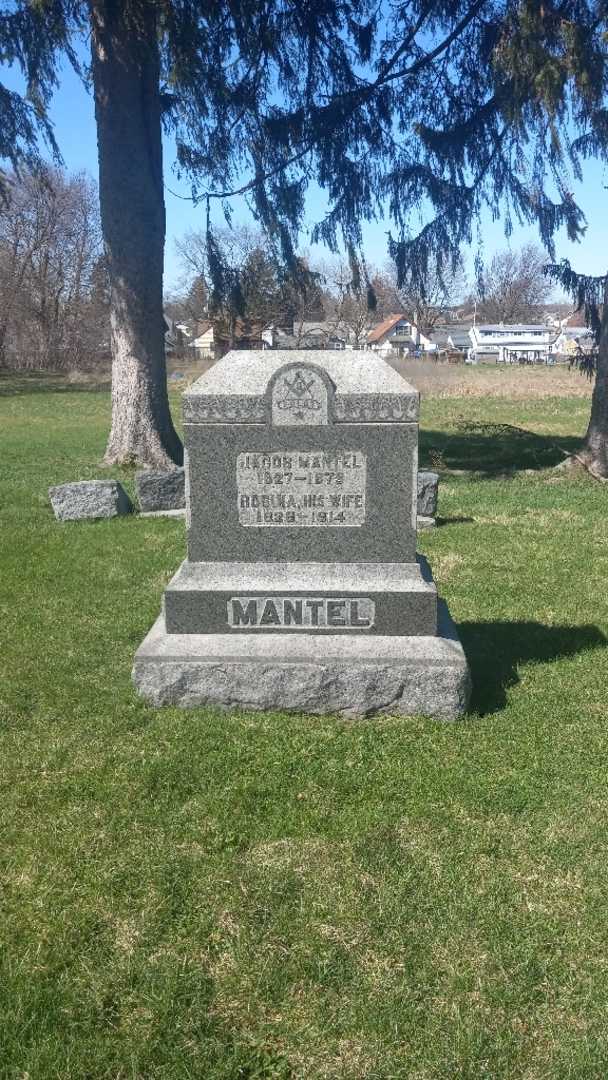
<point x="72" y="113"/>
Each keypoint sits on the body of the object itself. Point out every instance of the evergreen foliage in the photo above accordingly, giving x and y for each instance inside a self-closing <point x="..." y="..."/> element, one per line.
<point x="425" y="110"/>
<point x="588" y="293"/>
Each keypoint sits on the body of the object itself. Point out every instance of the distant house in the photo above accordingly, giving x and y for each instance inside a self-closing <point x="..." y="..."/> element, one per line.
<point x="445" y="339"/>
<point x="435" y="340"/>
<point x="430" y="339"/>
<point x="394" y="332"/>
<point x="203" y="343"/>
<point x="574" y="339"/>
<point x="320" y="335"/>
<point x="511" y="344"/>
<point x="400" y="334"/>
<point x="459" y="340"/>
<point x="556" y="315"/>
<point x="176" y="336"/>
<point x="213" y="339"/>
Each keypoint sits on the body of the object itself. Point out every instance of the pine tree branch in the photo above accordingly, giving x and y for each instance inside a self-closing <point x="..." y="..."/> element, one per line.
<point x="358" y="97"/>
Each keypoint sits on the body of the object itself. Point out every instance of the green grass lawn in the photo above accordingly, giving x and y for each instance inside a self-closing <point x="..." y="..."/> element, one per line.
<point x="195" y="895"/>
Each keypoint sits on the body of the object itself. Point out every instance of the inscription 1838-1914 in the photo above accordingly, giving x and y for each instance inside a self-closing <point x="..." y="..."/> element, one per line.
<point x="305" y="489"/>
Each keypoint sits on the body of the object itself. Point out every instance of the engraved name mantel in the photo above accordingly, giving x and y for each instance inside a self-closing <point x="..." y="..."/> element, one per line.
<point x="300" y="613"/>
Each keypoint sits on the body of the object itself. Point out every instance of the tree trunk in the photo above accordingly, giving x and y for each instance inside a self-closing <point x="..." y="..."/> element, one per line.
<point x="126" y="79"/>
<point x="595" y="447"/>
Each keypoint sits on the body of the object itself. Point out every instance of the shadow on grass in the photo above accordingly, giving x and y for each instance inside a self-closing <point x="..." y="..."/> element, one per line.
<point x="495" y="651"/>
<point x="456" y="520"/>
<point x="14" y="383"/>
<point x="492" y="449"/>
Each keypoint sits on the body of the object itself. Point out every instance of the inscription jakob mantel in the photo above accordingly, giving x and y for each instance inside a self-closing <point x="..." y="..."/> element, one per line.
<point x="302" y="489"/>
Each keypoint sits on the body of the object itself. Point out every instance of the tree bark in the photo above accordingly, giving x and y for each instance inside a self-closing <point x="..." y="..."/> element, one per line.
<point x="126" y="79"/>
<point x="595" y="447"/>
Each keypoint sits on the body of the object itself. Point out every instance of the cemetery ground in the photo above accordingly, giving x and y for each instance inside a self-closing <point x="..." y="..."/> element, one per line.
<point x="191" y="894"/>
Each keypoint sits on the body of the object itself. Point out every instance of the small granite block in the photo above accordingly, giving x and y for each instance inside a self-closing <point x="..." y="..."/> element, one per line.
<point x="89" y="499"/>
<point x="428" y="490"/>
<point x="161" y="490"/>
<point x="426" y="522"/>
<point x="355" y="677"/>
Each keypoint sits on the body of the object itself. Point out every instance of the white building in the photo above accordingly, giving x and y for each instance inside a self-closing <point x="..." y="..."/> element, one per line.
<point x="204" y="342"/>
<point x="511" y="344"/>
<point x="395" y="332"/>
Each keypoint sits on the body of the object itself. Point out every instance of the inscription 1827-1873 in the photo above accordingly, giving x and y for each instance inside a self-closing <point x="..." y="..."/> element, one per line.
<point x="301" y="489"/>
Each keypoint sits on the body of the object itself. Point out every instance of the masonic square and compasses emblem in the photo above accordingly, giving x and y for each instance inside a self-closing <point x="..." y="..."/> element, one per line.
<point x="299" y="397"/>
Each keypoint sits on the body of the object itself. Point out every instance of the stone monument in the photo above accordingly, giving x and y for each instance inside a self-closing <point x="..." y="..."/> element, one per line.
<point x="301" y="589"/>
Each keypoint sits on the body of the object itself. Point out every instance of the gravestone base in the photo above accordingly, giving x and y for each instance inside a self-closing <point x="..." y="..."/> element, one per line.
<point x="318" y="674"/>
<point x="207" y="598"/>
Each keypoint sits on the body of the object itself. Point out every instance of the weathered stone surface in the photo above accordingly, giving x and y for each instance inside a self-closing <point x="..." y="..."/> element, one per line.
<point x="375" y="520"/>
<point x="406" y="676"/>
<point x="296" y="598"/>
<point x="235" y="390"/>
<point x="285" y="444"/>
<point x="89" y="499"/>
<point x="160" y="490"/>
<point x="426" y="522"/>
<point x="428" y="490"/>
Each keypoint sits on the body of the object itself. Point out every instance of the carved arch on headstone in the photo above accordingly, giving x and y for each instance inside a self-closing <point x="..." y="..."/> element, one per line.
<point x="300" y="394"/>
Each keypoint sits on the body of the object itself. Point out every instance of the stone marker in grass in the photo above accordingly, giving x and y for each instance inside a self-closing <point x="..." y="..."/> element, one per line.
<point x="89" y="499"/>
<point x="301" y="589"/>
<point x="160" y="490"/>
<point x="428" y="491"/>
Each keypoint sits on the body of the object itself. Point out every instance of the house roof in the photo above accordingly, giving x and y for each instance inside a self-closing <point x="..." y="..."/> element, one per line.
<point x="438" y="336"/>
<point x="460" y="337"/>
<point x="384" y="327"/>
<point x="575" y="332"/>
<point x="510" y="328"/>
<point x="204" y="329"/>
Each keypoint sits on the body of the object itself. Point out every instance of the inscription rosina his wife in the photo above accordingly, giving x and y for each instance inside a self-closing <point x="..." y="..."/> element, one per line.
<point x="301" y="489"/>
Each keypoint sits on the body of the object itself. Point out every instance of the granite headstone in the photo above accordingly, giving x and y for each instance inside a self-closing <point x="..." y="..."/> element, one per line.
<point x="301" y="588"/>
